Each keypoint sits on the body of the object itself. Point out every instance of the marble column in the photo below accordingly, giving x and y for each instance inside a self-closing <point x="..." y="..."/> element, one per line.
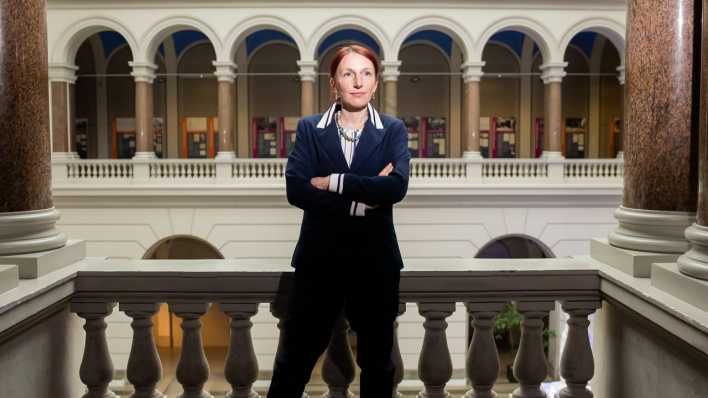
<point x="226" y="78"/>
<point x="389" y="77"/>
<point x="660" y="127"/>
<point x="695" y="261"/>
<point x="62" y="78"/>
<point x="620" y="78"/>
<point x="471" y="74"/>
<point x="552" y="74"/>
<point x="308" y="76"/>
<point x="27" y="214"/>
<point x="144" y="74"/>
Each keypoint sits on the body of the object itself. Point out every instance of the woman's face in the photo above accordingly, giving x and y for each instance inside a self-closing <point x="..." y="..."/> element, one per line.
<point x="355" y="81"/>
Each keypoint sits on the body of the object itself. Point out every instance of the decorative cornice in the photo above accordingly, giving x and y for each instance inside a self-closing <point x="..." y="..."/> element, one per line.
<point x="553" y="72"/>
<point x="390" y="71"/>
<point x="308" y="70"/>
<point x="472" y="71"/>
<point x="225" y="71"/>
<point x="143" y="71"/>
<point x="60" y="72"/>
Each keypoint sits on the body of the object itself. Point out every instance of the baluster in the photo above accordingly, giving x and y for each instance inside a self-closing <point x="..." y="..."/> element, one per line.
<point x="338" y="367"/>
<point x="530" y="364"/>
<point x="397" y="358"/>
<point x="96" y="369"/>
<point x="278" y="309"/>
<point x="435" y="364"/>
<point x="192" y="369"/>
<point x="577" y="365"/>
<point x="241" y="369"/>
<point x="482" y="356"/>
<point x="144" y="368"/>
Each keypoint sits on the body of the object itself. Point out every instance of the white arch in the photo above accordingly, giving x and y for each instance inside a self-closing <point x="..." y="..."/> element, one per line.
<point x="612" y="30"/>
<point x="242" y="29"/>
<point x="348" y="22"/>
<point x="532" y="28"/>
<point x="443" y="24"/>
<point x="65" y="49"/>
<point x="160" y="30"/>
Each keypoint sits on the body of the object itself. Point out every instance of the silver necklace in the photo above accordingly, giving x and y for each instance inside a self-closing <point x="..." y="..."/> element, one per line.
<point x="344" y="132"/>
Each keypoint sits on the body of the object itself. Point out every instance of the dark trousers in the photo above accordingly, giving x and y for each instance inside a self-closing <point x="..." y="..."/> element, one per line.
<point x="369" y="297"/>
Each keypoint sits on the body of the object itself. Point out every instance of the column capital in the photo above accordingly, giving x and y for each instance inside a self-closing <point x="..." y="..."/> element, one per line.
<point x="308" y="70"/>
<point x="225" y="71"/>
<point x="553" y="72"/>
<point x="60" y="72"/>
<point x="390" y="70"/>
<point x="143" y="71"/>
<point x="472" y="71"/>
<point x="620" y="77"/>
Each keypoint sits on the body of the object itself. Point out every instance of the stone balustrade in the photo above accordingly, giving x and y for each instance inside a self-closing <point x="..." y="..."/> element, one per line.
<point x="189" y="287"/>
<point x="423" y="172"/>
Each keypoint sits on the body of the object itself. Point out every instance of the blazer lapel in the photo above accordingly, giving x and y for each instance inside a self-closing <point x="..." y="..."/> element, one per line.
<point x="329" y="136"/>
<point x="371" y="137"/>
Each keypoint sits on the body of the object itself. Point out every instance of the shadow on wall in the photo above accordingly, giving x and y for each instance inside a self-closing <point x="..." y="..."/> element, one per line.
<point x="215" y="324"/>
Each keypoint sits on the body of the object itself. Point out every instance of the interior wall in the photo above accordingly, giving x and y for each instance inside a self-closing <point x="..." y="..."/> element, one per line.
<point x="44" y="360"/>
<point x="430" y="95"/>
<point x="499" y="96"/>
<point x="120" y="89"/>
<point x="576" y="89"/>
<point x="634" y="358"/>
<point x="274" y="95"/>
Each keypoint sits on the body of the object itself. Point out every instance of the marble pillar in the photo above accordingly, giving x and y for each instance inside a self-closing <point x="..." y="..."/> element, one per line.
<point x="471" y="74"/>
<point x="552" y="74"/>
<point x="389" y="77"/>
<point x="308" y="75"/>
<point x="27" y="214"/>
<point x="144" y="74"/>
<point x="695" y="261"/>
<point x="660" y="127"/>
<point x="62" y="78"/>
<point x="620" y="78"/>
<point x="227" y="92"/>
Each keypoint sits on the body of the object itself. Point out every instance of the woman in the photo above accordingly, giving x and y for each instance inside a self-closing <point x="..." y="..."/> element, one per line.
<point x="347" y="169"/>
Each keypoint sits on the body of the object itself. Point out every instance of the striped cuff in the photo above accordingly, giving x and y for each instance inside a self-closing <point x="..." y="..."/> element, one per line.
<point x="358" y="209"/>
<point x="336" y="183"/>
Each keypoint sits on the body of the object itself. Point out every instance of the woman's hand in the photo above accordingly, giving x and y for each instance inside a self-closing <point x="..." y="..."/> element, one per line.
<point x="320" y="182"/>
<point x="386" y="170"/>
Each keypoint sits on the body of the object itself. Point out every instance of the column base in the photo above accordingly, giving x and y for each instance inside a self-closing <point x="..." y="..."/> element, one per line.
<point x="225" y="155"/>
<point x="30" y="231"/>
<point x="65" y="156"/>
<point x="144" y="156"/>
<point x="651" y="230"/>
<point x="472" y="155"/>
<point x="34" y="265"/>
<point x="9" y="277"/>
<point x="669" y="278"/>
<point x="631" y="262"/>
<point x="555" y="155"/>
<point x="620" y="155"/>
<point x="695" y="261"/>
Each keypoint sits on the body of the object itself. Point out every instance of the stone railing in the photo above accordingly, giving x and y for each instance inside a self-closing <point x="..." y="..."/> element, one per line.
<point x="137" y="287"/>
<point x="458" y="171"/>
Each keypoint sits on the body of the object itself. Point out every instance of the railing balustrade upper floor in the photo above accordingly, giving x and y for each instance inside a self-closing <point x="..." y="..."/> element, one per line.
<point x="457" y="171"/>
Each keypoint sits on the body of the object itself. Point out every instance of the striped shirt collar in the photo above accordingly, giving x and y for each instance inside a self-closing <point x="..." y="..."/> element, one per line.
<point x="328" y="117"/>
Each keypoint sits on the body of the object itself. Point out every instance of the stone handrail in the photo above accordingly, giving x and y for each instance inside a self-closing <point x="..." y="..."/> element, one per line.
<point x="448" y="171"/>
<point x="484" y="286"/>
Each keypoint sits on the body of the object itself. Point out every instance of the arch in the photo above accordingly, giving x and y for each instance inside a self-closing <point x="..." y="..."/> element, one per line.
<point x="65" y="49"/>
<point x="430" y="44"/>
<point x="240" y="32"/>
<point x="263" y="45"/>
<point x="582" y="55"/>
<point x="207" y="249"/>
<point x="507" y="48"/>
<point x="347" y="22"/>
<point x="458" y="32"/>
<point x="487" y="251"/>
<point x="115" y="51"/>
<point x="189" y="47"/>
<point x="612" y="30"/>
<point x="540" y="34"/>
<point x="160" y="30"/>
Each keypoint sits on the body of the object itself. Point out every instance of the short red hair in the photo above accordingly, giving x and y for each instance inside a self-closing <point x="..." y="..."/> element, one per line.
<point x="353" y="48"/>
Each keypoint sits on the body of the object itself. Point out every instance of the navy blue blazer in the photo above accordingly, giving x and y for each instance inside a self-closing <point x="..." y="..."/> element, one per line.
<point x="330" y="232"/>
